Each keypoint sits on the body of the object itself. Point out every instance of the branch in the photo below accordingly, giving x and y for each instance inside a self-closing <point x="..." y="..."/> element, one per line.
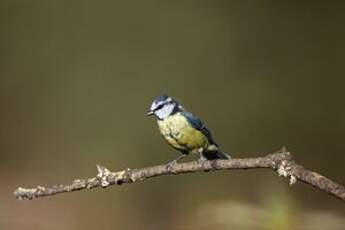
<point x="280" y="161"/>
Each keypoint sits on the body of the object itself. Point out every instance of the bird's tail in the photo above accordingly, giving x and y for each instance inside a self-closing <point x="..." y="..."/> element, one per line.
<point x="213" y="155"/>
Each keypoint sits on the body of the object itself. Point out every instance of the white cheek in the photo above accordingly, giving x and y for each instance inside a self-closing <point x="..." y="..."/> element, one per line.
<point x="165" y="111"/>
<point x="159" y="113"/>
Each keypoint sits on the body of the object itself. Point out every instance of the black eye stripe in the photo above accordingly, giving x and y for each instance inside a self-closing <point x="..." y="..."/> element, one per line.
<point x="159" y="107"/>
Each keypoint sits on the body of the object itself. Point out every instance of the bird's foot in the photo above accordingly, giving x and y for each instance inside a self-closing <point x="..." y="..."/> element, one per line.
<point x="203" y="161"/>
<point x="170" y="165"/>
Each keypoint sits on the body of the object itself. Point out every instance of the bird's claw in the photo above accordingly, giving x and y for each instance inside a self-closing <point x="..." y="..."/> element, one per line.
<point x="170" y="165"/>
<point x="202" y="160"/>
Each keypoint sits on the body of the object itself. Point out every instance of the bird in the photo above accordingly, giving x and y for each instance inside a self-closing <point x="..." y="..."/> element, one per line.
<point x="184" y="131"/>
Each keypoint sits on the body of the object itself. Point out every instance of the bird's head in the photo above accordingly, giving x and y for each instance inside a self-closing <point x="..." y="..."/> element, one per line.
<point x="164" y="106"/>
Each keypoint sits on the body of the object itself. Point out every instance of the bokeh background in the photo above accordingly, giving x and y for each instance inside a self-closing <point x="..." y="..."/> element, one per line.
<point x="76" y="78"/>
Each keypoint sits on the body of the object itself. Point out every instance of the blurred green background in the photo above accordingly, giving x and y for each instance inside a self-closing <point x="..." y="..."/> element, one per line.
<point x="76" y="78"/>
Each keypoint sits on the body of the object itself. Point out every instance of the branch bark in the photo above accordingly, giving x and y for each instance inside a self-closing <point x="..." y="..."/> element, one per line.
<point x="280" y="161"/>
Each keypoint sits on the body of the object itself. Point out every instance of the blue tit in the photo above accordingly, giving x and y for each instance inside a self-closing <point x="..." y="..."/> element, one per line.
<point x="184" y="131"/>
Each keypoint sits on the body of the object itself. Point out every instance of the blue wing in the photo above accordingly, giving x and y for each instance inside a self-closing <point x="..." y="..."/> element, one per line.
<point x="197" y="124"/>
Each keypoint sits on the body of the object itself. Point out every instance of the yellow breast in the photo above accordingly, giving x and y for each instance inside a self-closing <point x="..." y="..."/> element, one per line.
<point x="180" y="134"/>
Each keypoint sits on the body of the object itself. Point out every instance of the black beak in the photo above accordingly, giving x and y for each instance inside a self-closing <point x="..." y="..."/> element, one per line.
<point x="150" y="113"/>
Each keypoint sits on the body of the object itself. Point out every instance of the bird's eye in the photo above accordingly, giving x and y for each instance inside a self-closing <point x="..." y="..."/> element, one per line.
<point x="159" y="107"/>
